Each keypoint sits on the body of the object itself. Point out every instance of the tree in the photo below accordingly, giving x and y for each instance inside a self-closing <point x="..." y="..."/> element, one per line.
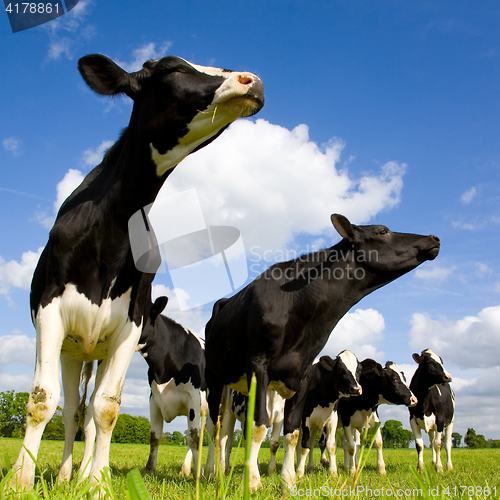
<point x="54" y="430"/>
<point x="473" y="440"/>
<point x="129" y="429"/>
<point x="456" y="439"/>
<point x="395" y="436"/>
<point x="13" y="413"/>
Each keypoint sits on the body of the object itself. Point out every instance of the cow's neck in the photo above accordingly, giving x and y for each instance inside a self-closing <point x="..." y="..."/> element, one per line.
<point x="131" y="174"/>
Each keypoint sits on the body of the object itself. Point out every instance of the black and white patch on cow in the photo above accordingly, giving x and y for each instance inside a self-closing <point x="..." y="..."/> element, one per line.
<point x="88" y="299"/>
<point x="277" y="325"/>
<point x="435" y="410"/>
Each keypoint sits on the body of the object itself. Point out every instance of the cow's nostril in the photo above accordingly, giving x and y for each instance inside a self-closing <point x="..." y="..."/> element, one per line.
<point x="245" y="80"/>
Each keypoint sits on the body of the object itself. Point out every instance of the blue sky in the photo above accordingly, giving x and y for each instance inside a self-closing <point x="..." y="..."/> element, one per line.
<point x="384" y="111"/>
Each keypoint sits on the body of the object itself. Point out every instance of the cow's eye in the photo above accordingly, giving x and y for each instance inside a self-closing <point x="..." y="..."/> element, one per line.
<point x="384" y="232"/>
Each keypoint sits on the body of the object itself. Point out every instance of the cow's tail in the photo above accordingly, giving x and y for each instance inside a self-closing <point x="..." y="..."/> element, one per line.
<point x="87" y="369"/>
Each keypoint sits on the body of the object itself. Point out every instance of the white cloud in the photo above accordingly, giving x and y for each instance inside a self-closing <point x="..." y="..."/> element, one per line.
<point x="357" y="331"/>
<point x="12" y="144"/>
<point x="471" y="342"/>
<point x="468" y="196"/>
<point x="465" y="225"/>
<point x="18" y="383"/>
<point x="435" y="273"/>
<point x="257" y="171"/>
<point x="17" y="348"/>
<point x="14" y="274"/>
<point x="483" y="270"/>
<point x="93" y="157"/>
<point x="72" y="24"/>
<point x="71" y="180"/>
<point x="142" y="54"/>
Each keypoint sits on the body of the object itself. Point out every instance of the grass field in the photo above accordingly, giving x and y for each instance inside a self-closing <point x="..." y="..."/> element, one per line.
<point x="474" y="472"/>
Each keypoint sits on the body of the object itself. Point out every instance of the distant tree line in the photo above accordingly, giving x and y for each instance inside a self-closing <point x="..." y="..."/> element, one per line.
<point x="129" y="429"/>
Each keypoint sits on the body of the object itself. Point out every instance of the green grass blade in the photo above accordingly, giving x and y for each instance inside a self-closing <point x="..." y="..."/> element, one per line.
<point x="249" y="429"/>
<point x="136" y="487"/>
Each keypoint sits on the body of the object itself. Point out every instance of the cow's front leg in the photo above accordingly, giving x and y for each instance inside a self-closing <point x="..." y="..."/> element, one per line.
<point x="331" y="442"/>
<point x="193" y="434"/>
<point x="349" y="449"/>
<point x="71" y="371"/>
<point x="45" y="391"/>
<point x="108" y="391"/>
<point x="419" y="444"/>
<point x="380" y="455"/>
<point x="436" y="451"/>
<point x="156" y="418"/>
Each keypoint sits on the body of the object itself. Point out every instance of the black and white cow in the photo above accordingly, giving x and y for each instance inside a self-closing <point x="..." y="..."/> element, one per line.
<point x="88" y="299"/>
<point x="176" y="361"/>
<point x="234" y="407"/>
<point x="277" y="325"/>
<point x="324" y="384"/>
<point x="435" y="409"/>
<point x="385" y="385"/>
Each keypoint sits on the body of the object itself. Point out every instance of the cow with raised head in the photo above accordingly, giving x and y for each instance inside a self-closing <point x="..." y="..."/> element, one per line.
<point x="277" y="325"/>
<point x="435" y="410"/>
<point x="88" y="299"/>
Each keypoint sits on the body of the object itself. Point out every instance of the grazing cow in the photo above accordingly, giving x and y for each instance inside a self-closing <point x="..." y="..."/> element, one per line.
<point x="88" y="299"/>
<point x="435" y="409"/>
<point x="321" y="388"/>
<point x="385" y="385"/>
<point x="176" y="360"/>
<point x="234" y="407"/>
<point x="277" y="325"/>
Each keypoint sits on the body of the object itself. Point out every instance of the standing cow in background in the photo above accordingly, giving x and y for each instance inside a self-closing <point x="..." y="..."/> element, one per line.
<point x="435" y="409"/>
<point x="277" y="325"/>
<point x="176" y="361"/>
<point x="385" y="385"/>
<point x="88" y="299"/>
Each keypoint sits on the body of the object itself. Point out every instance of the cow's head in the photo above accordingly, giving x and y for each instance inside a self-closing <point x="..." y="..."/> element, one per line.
<point x="383" y="254"/>
<point x="345" y="370"/>
<point x="431" y="365"/>
<point x="178" y="106"/>
<point x="395" y="389"/>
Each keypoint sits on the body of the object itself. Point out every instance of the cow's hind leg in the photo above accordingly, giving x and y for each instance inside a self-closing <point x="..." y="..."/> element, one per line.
<point x="107" y="395"/>
<point x="448" y="445"/>
<point x="45" y="391"/>
<point x="71" y="370"/>
<point x="260" y="424"/>
<point x="275" y="443"/>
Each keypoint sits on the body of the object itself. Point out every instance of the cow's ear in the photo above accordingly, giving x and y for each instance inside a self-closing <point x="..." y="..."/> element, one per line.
<point x="327" y="363"/>
<point x="418" y="359"/>
<point x="157" y="308"/>
<point x="107" y="78"/>
<point x="343" y="226"/>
